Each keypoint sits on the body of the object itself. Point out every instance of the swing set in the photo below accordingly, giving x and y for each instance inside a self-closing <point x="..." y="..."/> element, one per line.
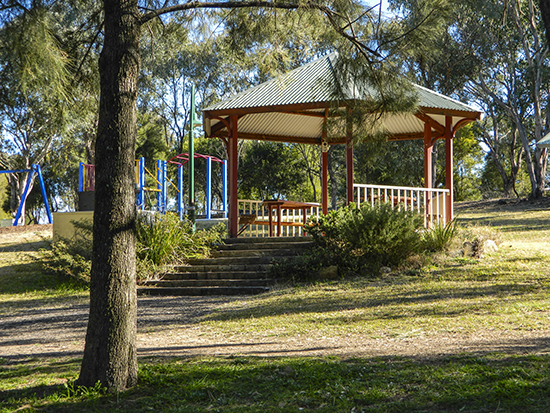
<point x="35" y="169"/>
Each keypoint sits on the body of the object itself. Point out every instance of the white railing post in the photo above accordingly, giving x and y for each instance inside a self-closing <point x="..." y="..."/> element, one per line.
<point x="431" y="202"/>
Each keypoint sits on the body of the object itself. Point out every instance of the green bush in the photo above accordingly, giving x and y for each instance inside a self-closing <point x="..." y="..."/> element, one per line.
<point x="368" y="237"/>
<point x="440" y="236"/>
<point x="162" y="240"/>
<point x="72" y="258"/>
<point x="166" y="240"/>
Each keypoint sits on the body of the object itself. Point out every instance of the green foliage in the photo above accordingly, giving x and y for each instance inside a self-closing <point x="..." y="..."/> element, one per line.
<point x="368" y="237"/>
<point x="71" y="258"/>
<point x="166" y="240"/>
<point x="440" y="236"/>
<point x="162" y="240"/>
<point x="270" y="170"/>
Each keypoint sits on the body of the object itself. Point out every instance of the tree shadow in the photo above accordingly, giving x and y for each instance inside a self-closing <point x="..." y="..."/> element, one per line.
<point x="475" y="382"/>
<point x="322" y="303"/>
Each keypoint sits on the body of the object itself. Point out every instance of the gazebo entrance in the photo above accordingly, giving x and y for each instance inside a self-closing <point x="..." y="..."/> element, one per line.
<point x="295" y="107"/>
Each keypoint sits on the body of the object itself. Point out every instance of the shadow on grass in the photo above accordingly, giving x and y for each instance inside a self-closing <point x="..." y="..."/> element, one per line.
<point x="510" y="225"/>
<point x="30" y="277"/>
<point x="323" y="303"/>
<point x="26" y="246"/>
<point x="472" y="383"/>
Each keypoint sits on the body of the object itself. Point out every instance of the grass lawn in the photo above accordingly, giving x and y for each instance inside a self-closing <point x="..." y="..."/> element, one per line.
<point x="504" y="293"/>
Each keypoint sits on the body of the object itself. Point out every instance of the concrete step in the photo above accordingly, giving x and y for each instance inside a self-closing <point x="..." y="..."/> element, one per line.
<point x="226" y="253"/>
<point x="219" y="275"/>
<point x="238" y="267"/>
<point x="201" y="291"/>
<point x="254" y="260"/>
<point x="223" y="268"/>
<point x="263" y="282"/>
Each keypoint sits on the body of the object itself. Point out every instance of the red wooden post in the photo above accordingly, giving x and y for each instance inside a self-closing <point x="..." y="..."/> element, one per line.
<point x="449" y="166"/>
<point x="324" y="184"/>
<point x="233" y="161"/>
<point x="324" y="166"/>
<point x="349" y="161"/>
<point x="428" y="148"/>
<point x="278" y="220"/>
<point x="270" y="209"/>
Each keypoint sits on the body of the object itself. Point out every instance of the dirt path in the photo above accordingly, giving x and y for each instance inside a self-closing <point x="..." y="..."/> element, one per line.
<point x="170" y="326"/>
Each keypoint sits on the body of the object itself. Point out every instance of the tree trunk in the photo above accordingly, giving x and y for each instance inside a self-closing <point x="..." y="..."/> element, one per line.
<point x="110" y="351"/>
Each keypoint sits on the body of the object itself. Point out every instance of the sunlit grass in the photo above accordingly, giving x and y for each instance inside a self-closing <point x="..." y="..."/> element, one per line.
<point x="505" y="290"/>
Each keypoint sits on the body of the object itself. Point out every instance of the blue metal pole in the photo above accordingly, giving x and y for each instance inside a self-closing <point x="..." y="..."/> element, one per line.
<point x="23" y="198"/>
<point x="141" y="196"/>
<point x="180" y="191"/>
<point x="159" y="185"/>
<point x="81" y="177"/>
<point x="208" y="188"/>
<point x="164" y="188"/>
<point x="43" y="189"/>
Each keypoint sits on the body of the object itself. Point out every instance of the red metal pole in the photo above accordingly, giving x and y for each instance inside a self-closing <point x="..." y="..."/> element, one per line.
<point x="449" y="166"/>
<point x="233" y="161"/>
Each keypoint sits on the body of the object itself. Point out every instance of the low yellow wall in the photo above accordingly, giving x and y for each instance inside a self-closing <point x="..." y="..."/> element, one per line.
<point x="62" y="223"/>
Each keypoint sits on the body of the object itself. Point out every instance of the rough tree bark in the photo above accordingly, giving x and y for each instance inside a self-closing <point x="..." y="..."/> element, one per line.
<point x="110" y="350"/>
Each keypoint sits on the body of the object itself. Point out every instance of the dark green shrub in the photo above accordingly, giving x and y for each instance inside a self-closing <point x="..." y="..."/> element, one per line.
<point x="368" y="237"/>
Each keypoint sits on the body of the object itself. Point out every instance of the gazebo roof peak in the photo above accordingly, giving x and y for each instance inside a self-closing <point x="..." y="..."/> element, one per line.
<point x="274" y="110"/>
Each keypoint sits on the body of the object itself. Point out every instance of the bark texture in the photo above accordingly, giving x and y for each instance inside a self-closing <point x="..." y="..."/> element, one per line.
<point x="110" y="351"/>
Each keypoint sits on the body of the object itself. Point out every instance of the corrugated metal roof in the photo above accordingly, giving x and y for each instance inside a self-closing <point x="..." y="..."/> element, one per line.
<point x="306" y="84"/>
<point x="429" y="99"/>
<point x="544" y="142"/>
<point x="315" y="83"/>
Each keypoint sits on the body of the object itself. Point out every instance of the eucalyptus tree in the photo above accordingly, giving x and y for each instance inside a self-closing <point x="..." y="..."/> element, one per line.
<point x="518" y="80"/>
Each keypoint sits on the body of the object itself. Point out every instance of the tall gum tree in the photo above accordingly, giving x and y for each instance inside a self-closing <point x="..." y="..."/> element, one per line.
<point x="110" y="355"/>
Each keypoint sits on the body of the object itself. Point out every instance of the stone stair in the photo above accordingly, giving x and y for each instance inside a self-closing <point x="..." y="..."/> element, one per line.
<point x="238" y="266"/>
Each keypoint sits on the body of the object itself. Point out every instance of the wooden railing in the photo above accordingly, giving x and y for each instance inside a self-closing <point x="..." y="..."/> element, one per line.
<point x="431" y="203"/>
<point x="291" y="220"/>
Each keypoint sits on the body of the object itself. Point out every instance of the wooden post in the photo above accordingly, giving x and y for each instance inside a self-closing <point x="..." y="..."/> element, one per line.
<point x="349" y="161"/>
<point x="324" y="177"/>
<point x="324" y="167"/>
<point x="428" y="147"/>
<point x="233" y="159"/>
<point x="449" y="166"/>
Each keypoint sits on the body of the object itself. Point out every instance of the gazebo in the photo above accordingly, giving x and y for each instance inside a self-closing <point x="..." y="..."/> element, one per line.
<point x="295" y="107"/>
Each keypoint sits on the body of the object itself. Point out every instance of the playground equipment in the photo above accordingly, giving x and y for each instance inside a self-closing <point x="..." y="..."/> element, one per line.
<point x="35" y="169"/>
<point x="86" y="183"/>
<point x="182" y="159"/>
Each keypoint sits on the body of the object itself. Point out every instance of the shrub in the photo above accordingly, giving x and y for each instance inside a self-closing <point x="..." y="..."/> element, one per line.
<point x="368" y="237"/>
<point x="162" y="240"/>
<point x="72" y="257"/>
<point x="440" y="236"/>
<point x="166" y="240"/>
